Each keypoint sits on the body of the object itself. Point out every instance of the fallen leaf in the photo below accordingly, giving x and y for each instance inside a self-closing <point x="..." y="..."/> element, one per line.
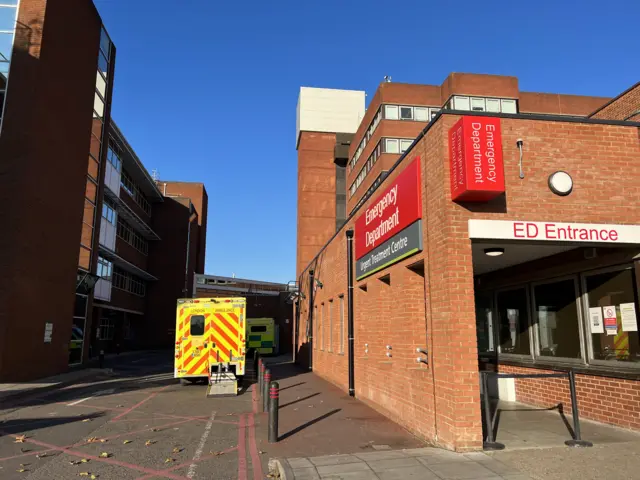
<point x="84" y="474"/>
<point x="119" y="406"/>
<point x="177" y="450"/>
<point x="86" y="420"/>
<point x="126" y="441"/>
<point x="260" y="452"/>
<point x="22" y="470"/>
<point x="149" y="442"/>
<point x="24" y="464"/>
<point x="93" y="477"/>
<point x="103" y="440"/>
<point x="154" y="429"/>
<point x="217" y="453"/>
<point x="169" y="460"/>
<point x="92" y="439"/>
<point x="85" y="460"/>
<point x="229" y="414"/>
<point x="78" y="462"/>
<point x="20" y="439"/>
<point x="42" y="455"/>
<point x="105" y="455"/>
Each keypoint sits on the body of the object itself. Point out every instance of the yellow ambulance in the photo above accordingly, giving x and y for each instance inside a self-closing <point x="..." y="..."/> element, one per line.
<point x="210" y="342"/>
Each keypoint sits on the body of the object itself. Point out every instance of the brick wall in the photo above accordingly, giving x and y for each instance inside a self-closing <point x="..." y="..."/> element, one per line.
<point x="44" y="148"/>
<point x="316" y="194"/>
<point x="441" y="401"/>
<point x="622" y="107"/>
<point x="609" y="400"/>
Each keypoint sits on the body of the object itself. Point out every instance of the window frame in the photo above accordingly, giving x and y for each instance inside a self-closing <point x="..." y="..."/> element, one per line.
<point x="497" y="323"/>
<point x="386" y="149"/>
<point x="400" y="107"/>
<point x="536" y="326"/>
<point x="391" y="106"/>
<point x="613" y="364"/>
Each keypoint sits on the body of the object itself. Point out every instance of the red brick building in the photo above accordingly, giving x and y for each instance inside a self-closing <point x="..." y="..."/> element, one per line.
<point x="492" y="229"/>
<point x="89" y="240"/>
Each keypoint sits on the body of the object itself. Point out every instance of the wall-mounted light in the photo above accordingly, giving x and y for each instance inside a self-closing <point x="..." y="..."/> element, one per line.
<point x="494" y="252"/>
<point x="319" y="283"/>
<point x="561" y="183"/>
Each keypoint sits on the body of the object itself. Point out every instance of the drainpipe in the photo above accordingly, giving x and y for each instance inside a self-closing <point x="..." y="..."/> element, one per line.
<point x="186" y="265"/>
<point x="349" y="233"/>
<point x="310" y="323"/>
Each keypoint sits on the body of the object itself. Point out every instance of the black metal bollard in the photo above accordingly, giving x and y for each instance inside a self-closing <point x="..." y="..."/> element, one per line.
<point x="101" y="359"/>
<point x="489" y="443"/>
<point x="274" y="395"/>
<point x="265" y="390"/>
<point x="577" y="441"/>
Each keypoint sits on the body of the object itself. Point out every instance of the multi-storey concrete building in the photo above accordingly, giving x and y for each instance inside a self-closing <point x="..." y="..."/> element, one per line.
<point x="89" y="239"/>
<point x="488" y="229"/>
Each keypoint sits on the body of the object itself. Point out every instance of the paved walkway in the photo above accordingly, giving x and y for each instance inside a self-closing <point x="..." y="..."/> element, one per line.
<point x="417" y="463"/>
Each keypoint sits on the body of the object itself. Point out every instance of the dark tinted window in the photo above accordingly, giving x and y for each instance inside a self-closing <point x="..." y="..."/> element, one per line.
<point x="258" y="329"/>
<point x="197" y="325"/>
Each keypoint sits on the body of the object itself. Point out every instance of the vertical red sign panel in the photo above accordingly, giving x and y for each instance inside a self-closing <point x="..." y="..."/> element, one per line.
<point x="477" y="167"/>
<point x="397" y="207"/>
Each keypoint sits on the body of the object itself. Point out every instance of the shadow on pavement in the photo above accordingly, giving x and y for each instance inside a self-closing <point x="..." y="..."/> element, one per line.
<point x="13" y="427"/>
<point x="300" y="400"/>
<point x="308" y="424"/>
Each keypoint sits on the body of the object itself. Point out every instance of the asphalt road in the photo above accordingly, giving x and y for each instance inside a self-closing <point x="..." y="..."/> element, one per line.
<point x="138" y="422"/>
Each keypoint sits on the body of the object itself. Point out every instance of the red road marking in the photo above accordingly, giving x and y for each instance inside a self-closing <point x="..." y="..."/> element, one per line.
<point x="28" y="454"/>
<point x="131" y="466"/>
<point x="133" y="432"/>
<point x="186" y="464"/>
<point x="242" y="451"/>
<point x="255" y="456"/>
<point x="129" y="410"/>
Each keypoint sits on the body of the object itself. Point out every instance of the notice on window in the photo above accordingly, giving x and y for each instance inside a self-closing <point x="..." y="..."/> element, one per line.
<point x="48" y="332"/>
<point x="595" y="316"/>
<point x="629" y="320"/>
<point x="610" y="320"/>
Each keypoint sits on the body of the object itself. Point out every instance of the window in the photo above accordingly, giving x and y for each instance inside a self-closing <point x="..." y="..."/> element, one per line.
<point x="513" y="317"/>
<point x="7" y="29"/>
<point x="477" y="104"/>
<point x="197" y="325"/>
<point x="341" y="350"/>
<point x="434" y="112"/>
<point x="509" y="106"/>
<point x="461" y="103"/>
<point x="421" y="114"/>
<point x="258" y="329"/>
<point x="556" y="313"/>
<point x="392" y="145"/>
<point x="104" y="269"/>
<point x="108" y="212"/>
<point x="404" y="145"/>
<point x="106" y="329"/>
<point x="132" y="188"/>
<point x="330" y="325"/>
<point x="105" y="43"/>
<point x="113" y="155"/>
<point x="133" y="238"/>
<point x="406" y="113"/>
<point x="493" y="105"/>
<point x="391" y="112"/>
<point x="128" y="282"/>
<point x="617" y="340"/>
<point x="322" y="327"/>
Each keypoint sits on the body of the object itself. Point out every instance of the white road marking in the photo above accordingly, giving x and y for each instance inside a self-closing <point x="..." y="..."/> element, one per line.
<point x="203" y="440"/>
<point x="97" y="394"/>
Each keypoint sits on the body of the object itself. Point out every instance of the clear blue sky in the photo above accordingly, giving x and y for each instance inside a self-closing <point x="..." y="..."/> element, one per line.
<point x="206" y="90"/>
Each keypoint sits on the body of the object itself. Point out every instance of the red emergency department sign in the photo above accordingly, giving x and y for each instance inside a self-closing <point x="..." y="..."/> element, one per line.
<point x="396" y="208"/>
<point x="477" y="170"/>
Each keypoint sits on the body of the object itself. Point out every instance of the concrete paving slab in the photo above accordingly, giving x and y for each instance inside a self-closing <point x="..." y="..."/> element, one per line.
<point x="462" y="471"/>
<point x="391" y="463"/>
<point x="343" y="468"/>
<point x="334" y="460"/>
<point x="306" y="474"/>
<point x="417" y="473"/>
<point x="367" y="456"/>
<point x="300" y="463"/>
<point x="352" y="476"/>
<point x="437" y="456"/>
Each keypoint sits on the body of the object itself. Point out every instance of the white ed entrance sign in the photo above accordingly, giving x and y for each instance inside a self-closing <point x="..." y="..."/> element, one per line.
<point x="554" y="231"/>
